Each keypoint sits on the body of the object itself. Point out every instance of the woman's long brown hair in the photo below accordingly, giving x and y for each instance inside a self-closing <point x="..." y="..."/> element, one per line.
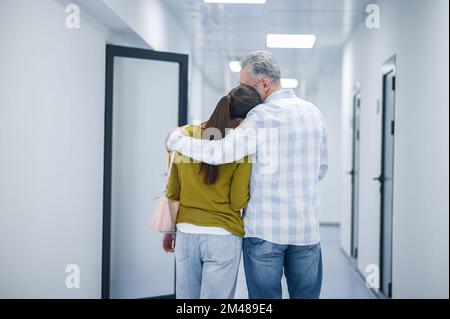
<point x="230" y="109"/>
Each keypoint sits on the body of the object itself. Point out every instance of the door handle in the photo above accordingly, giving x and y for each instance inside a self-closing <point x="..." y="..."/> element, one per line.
<point x="379" y="179"/>
<point x="352" y="172"/>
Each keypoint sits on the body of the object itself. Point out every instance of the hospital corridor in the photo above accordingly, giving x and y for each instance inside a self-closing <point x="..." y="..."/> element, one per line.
<point x="329" y="178"/>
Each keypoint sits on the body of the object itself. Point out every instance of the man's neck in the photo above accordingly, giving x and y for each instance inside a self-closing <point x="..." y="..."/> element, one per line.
<point x="273" y="90"/>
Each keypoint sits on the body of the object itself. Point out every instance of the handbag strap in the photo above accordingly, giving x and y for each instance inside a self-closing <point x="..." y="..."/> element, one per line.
<point x="172" y="158"/>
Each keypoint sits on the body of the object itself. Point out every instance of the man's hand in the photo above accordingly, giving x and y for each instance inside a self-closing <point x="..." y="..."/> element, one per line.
<point x="178" y="129"/>
<point x="168" y="242"/>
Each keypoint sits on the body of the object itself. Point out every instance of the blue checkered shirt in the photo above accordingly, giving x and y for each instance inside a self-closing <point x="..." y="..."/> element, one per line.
<point x="286" y="138"/>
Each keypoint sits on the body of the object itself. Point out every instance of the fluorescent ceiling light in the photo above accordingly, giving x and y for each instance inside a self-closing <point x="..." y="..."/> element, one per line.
<point x="235" y="66"/>
<point x="296" y="41"/>
<point x="289" y="83"/>
<point x="237" y="1"/>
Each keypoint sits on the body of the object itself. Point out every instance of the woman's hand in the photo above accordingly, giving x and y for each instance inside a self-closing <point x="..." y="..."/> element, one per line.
<point x="168" y="242"/>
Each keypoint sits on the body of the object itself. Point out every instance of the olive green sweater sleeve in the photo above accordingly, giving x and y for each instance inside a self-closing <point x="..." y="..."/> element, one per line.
<point x="240" y="192"/>
<point x="173" y="185"/>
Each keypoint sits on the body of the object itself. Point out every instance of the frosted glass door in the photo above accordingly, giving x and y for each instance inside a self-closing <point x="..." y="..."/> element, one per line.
<point x="145" y="109"/>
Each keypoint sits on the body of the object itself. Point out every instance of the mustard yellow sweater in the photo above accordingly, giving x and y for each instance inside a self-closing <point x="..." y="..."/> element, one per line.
<point x="216" y="205"/>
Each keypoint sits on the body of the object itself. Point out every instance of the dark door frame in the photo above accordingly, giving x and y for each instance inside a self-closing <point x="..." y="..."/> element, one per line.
<point x="113" y="51"/>
<point x="389" y="67"/>
<point x="354" y="175"/>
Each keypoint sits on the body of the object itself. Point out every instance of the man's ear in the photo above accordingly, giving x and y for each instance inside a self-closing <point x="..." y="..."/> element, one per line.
<point x="267" y="85"/>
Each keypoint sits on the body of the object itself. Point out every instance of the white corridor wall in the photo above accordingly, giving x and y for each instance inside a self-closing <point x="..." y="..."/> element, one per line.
<point x="328" y="100"/>
<point x="51" y="143"/>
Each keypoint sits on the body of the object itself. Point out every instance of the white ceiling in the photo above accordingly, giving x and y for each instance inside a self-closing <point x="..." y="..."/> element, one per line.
<point x="224" y="32"/>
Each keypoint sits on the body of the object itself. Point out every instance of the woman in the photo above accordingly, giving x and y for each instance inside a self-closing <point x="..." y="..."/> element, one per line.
<point x="209" y="223"/>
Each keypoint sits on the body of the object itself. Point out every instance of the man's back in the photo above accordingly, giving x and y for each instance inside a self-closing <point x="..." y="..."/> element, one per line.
<point x="291" y="158"/>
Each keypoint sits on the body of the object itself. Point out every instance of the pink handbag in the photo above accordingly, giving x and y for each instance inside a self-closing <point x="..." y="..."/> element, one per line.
<point x="166" y="210"/>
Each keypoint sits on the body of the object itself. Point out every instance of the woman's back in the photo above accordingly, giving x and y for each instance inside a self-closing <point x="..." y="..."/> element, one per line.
<point x="209" y="225"/>
<point x="215" y="205"/>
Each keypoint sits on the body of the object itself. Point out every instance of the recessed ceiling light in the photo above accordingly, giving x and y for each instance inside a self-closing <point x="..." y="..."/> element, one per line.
<point x="235" y="66"/>
<point x="237" y="1"/>
<point x="296" y="41"/>
<point x="289" y="83"/>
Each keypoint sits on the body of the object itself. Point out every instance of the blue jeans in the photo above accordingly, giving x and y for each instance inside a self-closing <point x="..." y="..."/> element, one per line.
<point x="206" y="265"/>
<point x="264" y="262"/>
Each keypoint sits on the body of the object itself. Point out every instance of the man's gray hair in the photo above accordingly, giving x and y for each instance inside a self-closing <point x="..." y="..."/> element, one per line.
<point x="262" y="64"/>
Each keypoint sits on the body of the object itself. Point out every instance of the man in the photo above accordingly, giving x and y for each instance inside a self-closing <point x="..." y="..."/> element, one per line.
<point x="287" y="139"/>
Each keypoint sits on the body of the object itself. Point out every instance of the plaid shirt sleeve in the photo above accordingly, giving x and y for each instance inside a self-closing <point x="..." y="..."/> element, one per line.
<point x="236" y="145"/>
